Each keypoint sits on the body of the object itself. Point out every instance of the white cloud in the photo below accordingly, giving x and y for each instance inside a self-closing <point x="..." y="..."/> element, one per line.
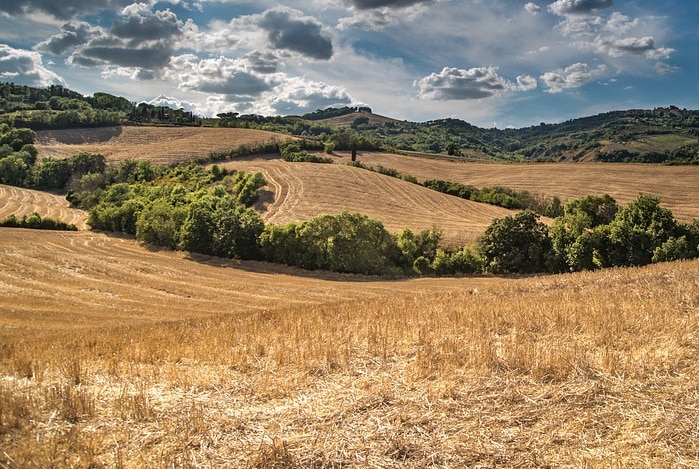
<point x="526" y="83"/>
<point x="573" y="76"/>
<point x="532" y="8"/>
<point x="578" y="7"/>
<point x="460" y="84"/>
<point x="25" y="67"/>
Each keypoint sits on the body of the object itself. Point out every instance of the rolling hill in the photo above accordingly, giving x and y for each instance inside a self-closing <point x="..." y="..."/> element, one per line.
<point x="161" y="145"/>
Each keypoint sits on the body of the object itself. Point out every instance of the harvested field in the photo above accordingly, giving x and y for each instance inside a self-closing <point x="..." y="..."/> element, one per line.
<point x="161" y="145"/>
<point x="19" y="202"/>
<point x="676" y="186"/>
<point x="115" y="356"/>
<point x="300" y="191"/>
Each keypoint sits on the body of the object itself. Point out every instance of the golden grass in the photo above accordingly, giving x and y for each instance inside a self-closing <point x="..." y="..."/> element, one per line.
<point x="300" y="191"/>
<point x="19" y="202"/>
<point x="676" y="186"/>
<point x="247" y="365"/>
<point x="161" y="145"/>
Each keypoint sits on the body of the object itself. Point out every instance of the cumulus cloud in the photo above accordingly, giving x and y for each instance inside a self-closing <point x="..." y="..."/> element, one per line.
<point x="573" y="76"/>
<point x="379" y="14"/>
<point x="526" y="83"/>
<point x="143" y="26"/>
<point x="220" y="75"/>
<point x="64" y="9"/>
<point x="148" y="58"/>
<point x="171" y="102"/>
<point x="532" y="8"/>
<point x="460" y="84"/>
<point x="578" y="7"/>
<point x="71" y="36"/>
<point x="299" y="96"/>
<point x="139" y="44"/>
<point x="287" y="29"/>
<point x="25" y="67"/>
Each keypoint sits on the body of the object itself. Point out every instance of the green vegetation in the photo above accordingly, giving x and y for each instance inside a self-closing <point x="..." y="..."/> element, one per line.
<point x="662" y="135"/>
<point x="35" y="221"/>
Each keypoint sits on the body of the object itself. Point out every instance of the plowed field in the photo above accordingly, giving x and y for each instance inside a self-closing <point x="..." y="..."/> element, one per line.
<point x="17" y="201"/>
<point x="299" y="191"/>
<point x="676" y="186"/>
<point x="162" y="145"/>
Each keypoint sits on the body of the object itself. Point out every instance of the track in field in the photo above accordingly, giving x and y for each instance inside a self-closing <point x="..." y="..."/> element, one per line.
<point x="19" y="202"/>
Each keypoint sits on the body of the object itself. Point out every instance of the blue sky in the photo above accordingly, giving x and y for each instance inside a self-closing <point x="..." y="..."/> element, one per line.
<point x="502" y="63"/>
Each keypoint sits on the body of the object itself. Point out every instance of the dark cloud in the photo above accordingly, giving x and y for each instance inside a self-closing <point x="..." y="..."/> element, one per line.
<point x="240" y="85"/>
<point x="578" y="7"/>
<point x="222" y="76"/>
<point x="148" y="58"/>
<point x="160" y="25"/>
<point x="72" y="35"/>
<point x="262" y="62"/>
<point x="298" y="34"/>
<point x="63" y="9"/>
<point x="372" y="4"/>
<point x="460" y="84"/>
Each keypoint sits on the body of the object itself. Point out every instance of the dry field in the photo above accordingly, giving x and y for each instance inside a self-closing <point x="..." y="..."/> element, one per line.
<point x="19" y="202"/>
<point x="161" y="145"/>
<point x="676" y="186"/>
<point x="300" y="191"/>
<point x="115" y="356"/>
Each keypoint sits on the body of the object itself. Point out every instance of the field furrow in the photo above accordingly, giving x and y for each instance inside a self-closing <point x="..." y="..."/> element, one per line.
<point x="305" y="190"/>
<point x="19" y="202"/>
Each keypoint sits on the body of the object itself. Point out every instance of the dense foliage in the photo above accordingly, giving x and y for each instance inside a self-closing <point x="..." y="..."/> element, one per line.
<point x="592" y="233"/>
<point x="36" y="221"/>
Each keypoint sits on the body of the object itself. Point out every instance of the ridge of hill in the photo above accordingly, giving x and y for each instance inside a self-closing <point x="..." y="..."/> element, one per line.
<point x="660" y="135"/>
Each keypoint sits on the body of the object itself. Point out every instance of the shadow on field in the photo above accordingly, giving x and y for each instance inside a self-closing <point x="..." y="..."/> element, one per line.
<point x="260" y="267"/>
<point x="78" y="136"/>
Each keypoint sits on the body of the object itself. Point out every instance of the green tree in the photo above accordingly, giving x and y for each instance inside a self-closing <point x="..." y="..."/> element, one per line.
<point x="516" y="244"/>
<point x="51" y="173"/>
<point x="159" y="223"/>
<point x="13" y="170"/>
<point x="637" y="230"/>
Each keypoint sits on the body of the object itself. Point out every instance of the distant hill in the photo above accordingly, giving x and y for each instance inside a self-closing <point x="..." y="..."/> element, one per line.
<point x="660" y="135"/>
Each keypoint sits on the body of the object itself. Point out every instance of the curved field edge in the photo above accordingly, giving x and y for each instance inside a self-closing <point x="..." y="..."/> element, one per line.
<point x="300" y="191"/>
<point x="20" y="201"/>
<point x="203" y="362"/>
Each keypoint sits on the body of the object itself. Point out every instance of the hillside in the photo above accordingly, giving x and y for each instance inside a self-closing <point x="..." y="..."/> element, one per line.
<point x="19" y="202"/>
<point x="676" y="186"/>
<point x="300" y="191"/>
<point x="114" y="355"/>
<point x="660" y="135"/>
<point x="161" y="145"/>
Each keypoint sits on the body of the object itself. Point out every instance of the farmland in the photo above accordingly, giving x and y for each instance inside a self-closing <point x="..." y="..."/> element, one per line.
<point x="114" y="355"/>
<point x="118" y="354"/>
<point x="162" y="145"/>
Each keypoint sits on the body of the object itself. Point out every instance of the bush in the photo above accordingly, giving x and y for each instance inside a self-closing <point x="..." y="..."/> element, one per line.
<point x="516" y="244"/>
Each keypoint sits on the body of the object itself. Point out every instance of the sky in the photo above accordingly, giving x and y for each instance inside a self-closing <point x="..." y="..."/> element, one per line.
<point x="493" y="63"/>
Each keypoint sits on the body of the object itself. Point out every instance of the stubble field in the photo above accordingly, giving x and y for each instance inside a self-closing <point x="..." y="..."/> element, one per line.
<point x="116" y="356"/>
<point x="113" y="354"/>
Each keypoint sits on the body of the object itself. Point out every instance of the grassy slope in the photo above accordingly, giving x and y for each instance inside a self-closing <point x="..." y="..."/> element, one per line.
<point x="117" y="356"/>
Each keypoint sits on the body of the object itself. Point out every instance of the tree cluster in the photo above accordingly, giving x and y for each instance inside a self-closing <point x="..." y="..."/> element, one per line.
<point x="592" y="233"/>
